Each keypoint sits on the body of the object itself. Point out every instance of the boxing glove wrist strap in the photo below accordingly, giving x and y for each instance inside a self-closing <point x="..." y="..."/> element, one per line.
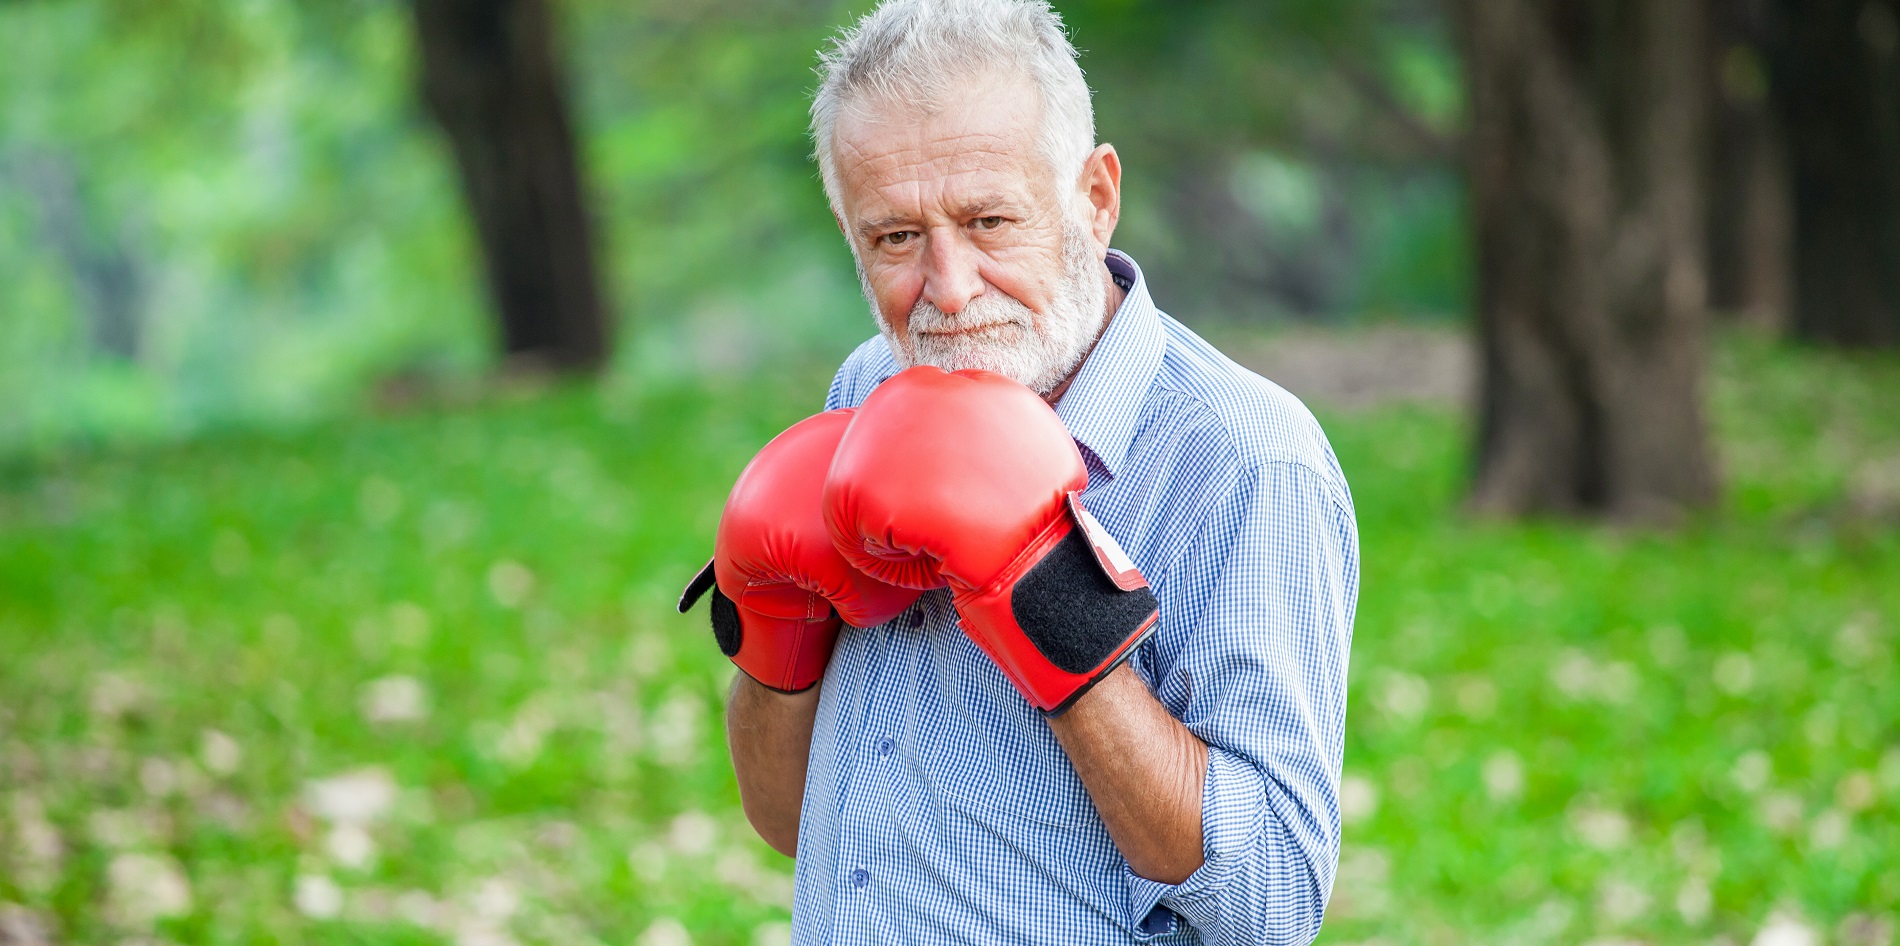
<point x="1064" y="614"/>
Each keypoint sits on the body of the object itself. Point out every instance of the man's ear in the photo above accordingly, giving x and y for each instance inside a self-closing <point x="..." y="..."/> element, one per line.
<point x="1101" y="183"/>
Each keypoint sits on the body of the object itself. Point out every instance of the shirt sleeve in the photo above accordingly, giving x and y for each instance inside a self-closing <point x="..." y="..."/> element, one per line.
<point x="1256" y="624"/>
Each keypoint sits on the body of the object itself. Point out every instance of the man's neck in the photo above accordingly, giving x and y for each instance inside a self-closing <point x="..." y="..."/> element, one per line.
<point x="1116" y="295"/>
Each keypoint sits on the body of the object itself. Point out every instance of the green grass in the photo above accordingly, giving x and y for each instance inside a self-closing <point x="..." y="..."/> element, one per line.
<point x="1559" y="732"/>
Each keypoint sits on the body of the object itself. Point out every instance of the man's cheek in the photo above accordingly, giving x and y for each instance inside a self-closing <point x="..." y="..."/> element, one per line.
<point x="897" y="293"/>
<point x="1032" y="286"/>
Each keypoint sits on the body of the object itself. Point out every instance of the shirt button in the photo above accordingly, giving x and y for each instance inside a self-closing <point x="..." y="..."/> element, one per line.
<point x="885" y="745"/>
<point x="916" y="619"/>
<point x="860" y="877"/>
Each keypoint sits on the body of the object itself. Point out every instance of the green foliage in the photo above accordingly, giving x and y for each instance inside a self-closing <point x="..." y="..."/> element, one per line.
<point x="295" y="237"/>
<point x="294" y="226"/>
<point x="1557" y="733"/>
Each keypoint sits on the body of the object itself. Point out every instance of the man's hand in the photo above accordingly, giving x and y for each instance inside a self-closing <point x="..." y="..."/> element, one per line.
<point x="969" y="479"/>
<point x="769" y="734"/>
<point x="1144" y="771"/>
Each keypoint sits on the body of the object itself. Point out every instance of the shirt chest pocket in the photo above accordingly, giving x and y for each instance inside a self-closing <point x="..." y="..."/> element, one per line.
<point x="990" y="753"/>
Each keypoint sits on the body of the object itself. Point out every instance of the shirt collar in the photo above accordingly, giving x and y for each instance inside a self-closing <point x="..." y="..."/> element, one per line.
<point x="1103" y="403"/>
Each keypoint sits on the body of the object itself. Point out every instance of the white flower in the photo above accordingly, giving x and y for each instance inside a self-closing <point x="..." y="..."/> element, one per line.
<point x="1783" y="929"/>
<point x="1694" y="902"/>
<point x="1622" y="901"/>
<point x="648" y="861"/>
<point x="495" y="900"/>
<point x="219" y="752"/>
<point x="23" y="927"/>
<point x="1857" y="791"/>
<point x="520" y="744"/>
<point x="419" y="908"/>
<point x="358" y="797"/>
<point x="1616" y="682"/>
<point x="665" y="931"/>
<point x="1735" y="673"/>
<point x="1781" y="812"/>
<point x="1404" y="696"/>
<point x="114" y="695"/>
<point x="772" y="933"/>
<point x="1574" y="673"/>
<point x="674" y="730"/>
<point x="1503" y="776"/>
<point x="1752" y="771"/>
<point x="122" y="828"/>
<point x="1829" y="830"/>
<point x="349" y="845"/>
<point x="158" y="777"/>
<point x="40" y="846"/>
<point x="736" y="868"/>
<point x="395" y="699"/>
<point x="146" y="887"/>
<point x="318" y="897"/>
<point x="481" y="934"/>
<point x="1358" y="799"/>
<point x="693" y="833"/>
<point x="1601" y="828"/>
<point x="510" y="582"/>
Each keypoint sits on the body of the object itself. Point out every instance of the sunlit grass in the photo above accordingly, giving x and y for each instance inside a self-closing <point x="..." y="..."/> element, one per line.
<point x="415" y="678"/>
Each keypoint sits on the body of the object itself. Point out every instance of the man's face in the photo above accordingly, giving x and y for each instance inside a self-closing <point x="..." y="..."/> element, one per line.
<point x="970" y="254"/>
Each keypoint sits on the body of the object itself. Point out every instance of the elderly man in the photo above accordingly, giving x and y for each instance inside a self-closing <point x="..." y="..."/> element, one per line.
<point x="936" y="778"/>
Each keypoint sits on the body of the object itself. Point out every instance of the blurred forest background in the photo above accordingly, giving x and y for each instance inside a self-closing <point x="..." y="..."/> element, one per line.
<point x="374" y="371"/>
<point x="243" y="210"/>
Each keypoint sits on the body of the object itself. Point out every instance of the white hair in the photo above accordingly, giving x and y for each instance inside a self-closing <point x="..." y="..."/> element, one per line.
<point x="918" y="51"/>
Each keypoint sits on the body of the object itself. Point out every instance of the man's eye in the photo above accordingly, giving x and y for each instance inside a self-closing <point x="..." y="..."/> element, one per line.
<point x="989" y="223"/>
<point x="897" y="239"/>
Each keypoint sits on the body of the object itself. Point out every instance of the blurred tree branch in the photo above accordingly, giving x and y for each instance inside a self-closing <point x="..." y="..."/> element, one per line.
<point x="1432" y="144"/>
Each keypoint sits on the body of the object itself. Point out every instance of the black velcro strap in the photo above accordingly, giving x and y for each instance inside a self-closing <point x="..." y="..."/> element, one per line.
<point x="703" y="582"/>
<point x="1072" y="612"/>
<point x="725" y="621"/>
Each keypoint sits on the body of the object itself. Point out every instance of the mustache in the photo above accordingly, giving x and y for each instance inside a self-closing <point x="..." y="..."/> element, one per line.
<point x="979" y="314"/>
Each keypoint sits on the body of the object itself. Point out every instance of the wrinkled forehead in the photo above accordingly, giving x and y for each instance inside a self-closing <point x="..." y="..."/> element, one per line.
<point x="983" y="135"/>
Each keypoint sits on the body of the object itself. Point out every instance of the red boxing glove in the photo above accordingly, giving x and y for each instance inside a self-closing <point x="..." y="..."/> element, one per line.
<point x="970" y="479"/>
<point x="782" y="589"/>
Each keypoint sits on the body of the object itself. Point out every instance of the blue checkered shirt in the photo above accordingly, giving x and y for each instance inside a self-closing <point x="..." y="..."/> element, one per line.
<point x="939" y="807"/>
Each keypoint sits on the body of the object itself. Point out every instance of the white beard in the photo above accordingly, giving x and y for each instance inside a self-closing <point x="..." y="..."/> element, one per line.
<point x="999" y="334"/>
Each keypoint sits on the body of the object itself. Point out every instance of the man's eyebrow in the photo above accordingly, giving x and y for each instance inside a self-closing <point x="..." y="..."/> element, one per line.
<point x="987" y="205"/>
<point x="981" y="206"/>
<point x="871" y="228"/>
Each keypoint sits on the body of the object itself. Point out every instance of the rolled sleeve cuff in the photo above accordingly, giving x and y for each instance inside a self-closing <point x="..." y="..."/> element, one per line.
<point x="1233" y="803"/>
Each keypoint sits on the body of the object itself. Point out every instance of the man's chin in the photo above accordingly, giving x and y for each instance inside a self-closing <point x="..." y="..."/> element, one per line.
<point x="1011" y="368"/>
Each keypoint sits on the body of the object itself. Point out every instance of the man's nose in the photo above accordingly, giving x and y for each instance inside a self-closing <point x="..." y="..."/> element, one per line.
<point x="951" y="279"/>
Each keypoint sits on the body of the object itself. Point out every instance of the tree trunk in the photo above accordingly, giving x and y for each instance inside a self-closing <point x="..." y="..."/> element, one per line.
<point x="490" y="77"/>
<point x="1584" y="158"/>
<point x="1750" y="212"/>
<point x="1836" y="79"/>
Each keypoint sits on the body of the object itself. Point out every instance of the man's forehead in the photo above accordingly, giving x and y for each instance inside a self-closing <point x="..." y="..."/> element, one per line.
<point x="984" y="136"/>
